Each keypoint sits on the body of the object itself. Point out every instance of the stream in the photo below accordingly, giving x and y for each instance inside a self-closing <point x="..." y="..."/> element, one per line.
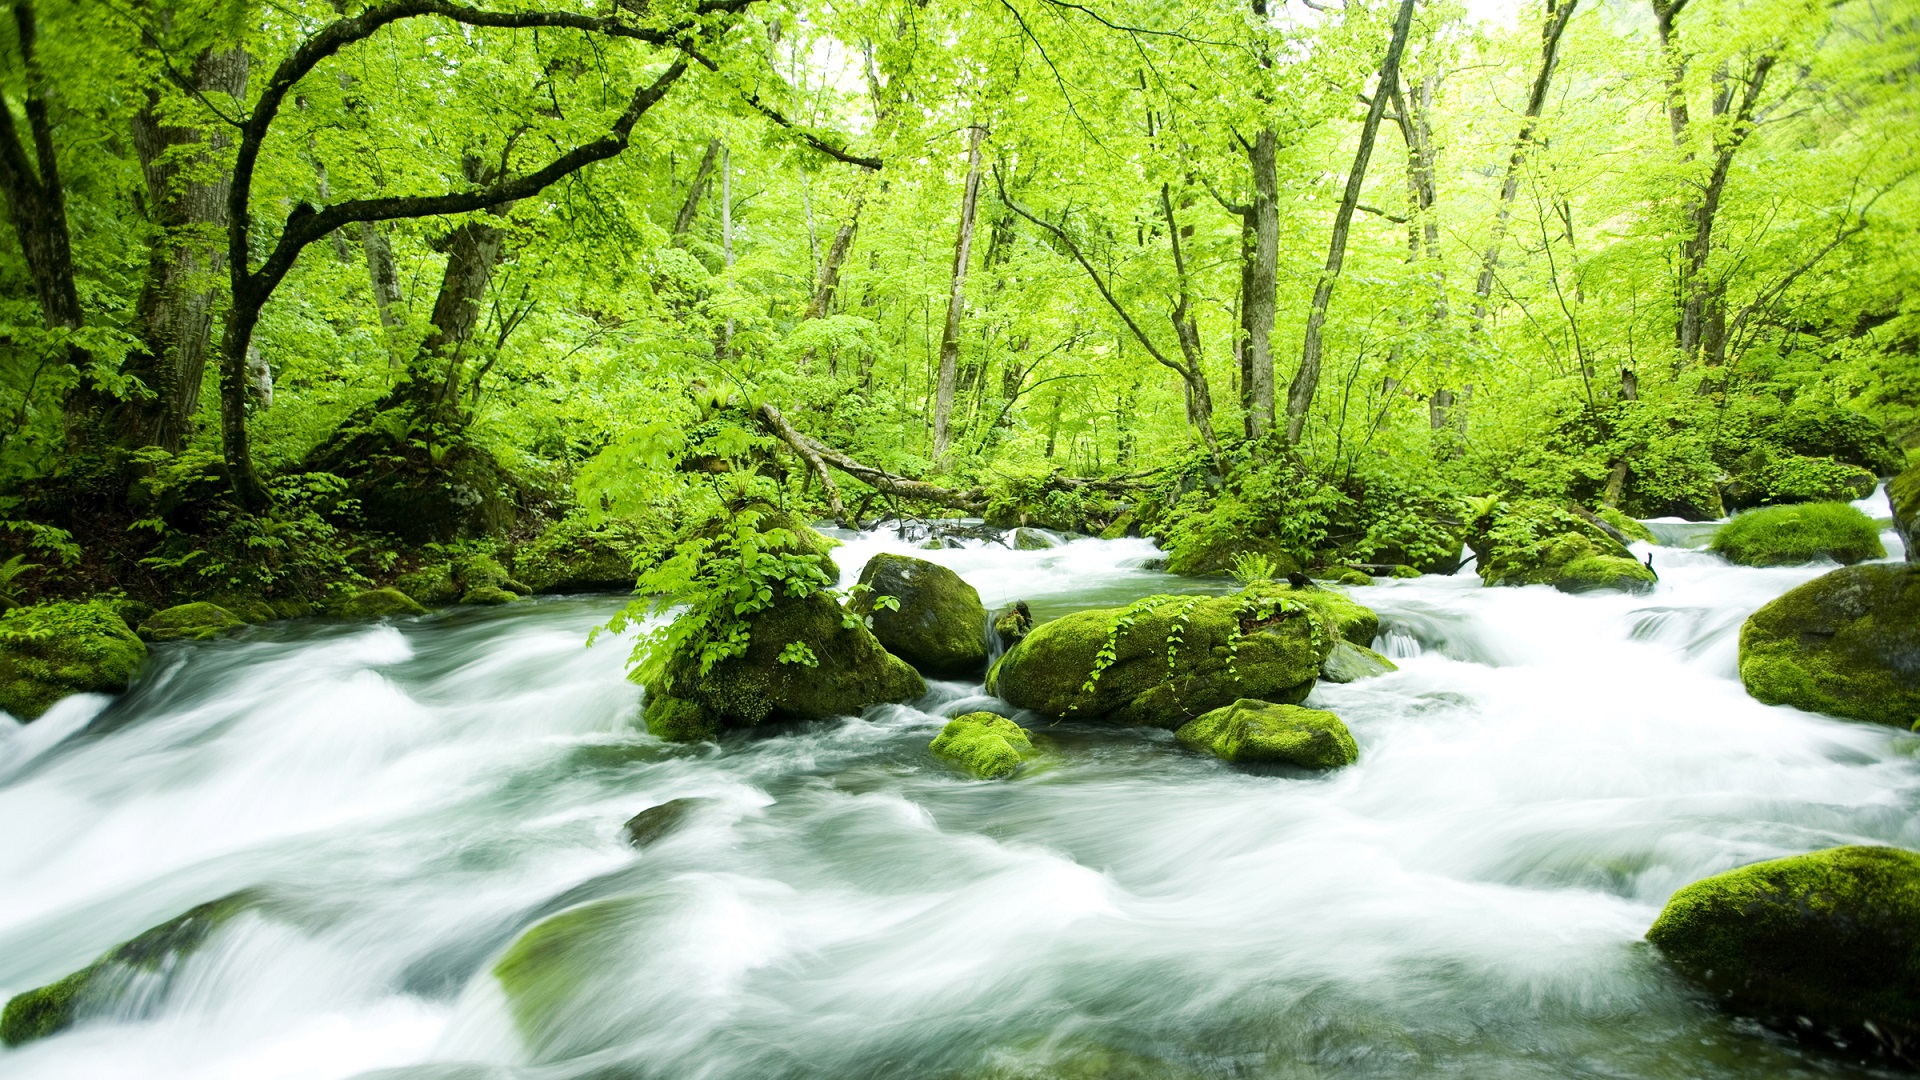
<point x="1466" y="901"/>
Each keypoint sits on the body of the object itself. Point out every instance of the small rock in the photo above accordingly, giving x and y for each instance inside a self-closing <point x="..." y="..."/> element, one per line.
<point x="1351" y="663"/>
<point x="1260" y="731"/>
<point x="379" y="603"/>
<point x="983" y="745"/>
<point x="198" y="621"/>
<point x="1026" y="539"/>
<point x="488" y="594"/>
<point x="1013" y="623"/>
<point x="655" y="822"/>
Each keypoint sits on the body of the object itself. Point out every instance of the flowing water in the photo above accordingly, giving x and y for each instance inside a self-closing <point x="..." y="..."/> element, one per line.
<point x="1468" y="900"/>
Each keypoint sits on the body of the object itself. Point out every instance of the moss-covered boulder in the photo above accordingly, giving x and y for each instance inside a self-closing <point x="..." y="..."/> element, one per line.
<point x="198" y="621"/>
<point x="1630" y="527"/>
<point x="1012" y="623"/>
<point x="575" y="555"/>
<point x="937" y="622"/>
<point x="378" y="604"/>
<point x="39" y="1013"/>
<point x="1164" y="660"/>
<point x="1530" y="542"/>
<point x="488" y="595"/>
<point x="982" y="745"/>
<point x="1349" y="575"/>
<point x="655" y="822"/>
<point x="1260" y="731"/>
<point x="1829" y="939"/>
<point x="1215" y="553"/>
<point x="840" y="669"/>
<point x="1029" y="539"/>
<point x="1349" y="618"/>
<point x="257" y="609"/>
<point x="1846" y="643"/>
<point x="1120" y="527"/>
<point x="1351" y="663"/>
<point x="48" y="651"/>
<point x="557" y="960"/>
<point x="1790" y="535"/>
<point x="1903" y="492"/>
<point x="483" y="580"/>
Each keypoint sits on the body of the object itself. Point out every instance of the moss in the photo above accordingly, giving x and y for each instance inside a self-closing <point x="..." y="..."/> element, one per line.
<point x="1348" y="575"/>
<point x="488" y="594"/>
<point x="1846" y="643"/>
<point x="1531" y="542"/>
<point x="1593" y="573"/>
<point x="378" y="604"/>
<point x="198" y="621"/>
<point x="983" y="745"/>
<point x="1348" y="618"/>
<point x="1818" y="429"/>
<point x="432" y="584"/>
<point x="655" y="822"/>
<point x="1630" y="527"/>
<point x="48" y="651"/>
<point x="1013" y="623"/>
<point x="1264" y="642"/>
<point x="1214" y="553"/>
<point x="479" y="571"/>
<point x="1404" y="571"/>
<point x="553" y="962"/>
<point x="1789" y="535"/>
<point x="1351" y="663"/>
<point x="940" y="626"/>
<point x="1025" y="539"/>
<point x="1833" y="936"/>
<point x="38" y="1013"/>
<point x="249" y="607"/>
<point x="679" y="720"/>
<point x="574" y="555"/>
<point x="1258" y="731"/>
<point x="1120" y="528"/>
<point x="1903" y="492"/>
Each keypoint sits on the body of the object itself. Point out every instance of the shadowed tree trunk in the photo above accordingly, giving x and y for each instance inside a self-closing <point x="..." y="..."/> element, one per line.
<point x="956" y="303"/>
<point x="384" y="275"/>
<point x="1260" y="283"/>
<point x="1703" y="302"/>
<point x="696" y="190"/>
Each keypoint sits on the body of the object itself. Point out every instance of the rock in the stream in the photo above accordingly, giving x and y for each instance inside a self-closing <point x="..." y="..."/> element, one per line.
<point x="1012" y="623"/>
<point x="940" y="626"/>
<point x="1351" y="663"/>
<point x="1791" y="535"/>
<point x="573" y="555"/>
<point x="197" y="621"/>
<point x="560" y="959"/>
<point x="36" y="1014"/>
<point x="655" y="822"/>
<point x="1030" y="539"/>
<point x="1164" y="660"/>
<point x="1846" y="643"/>
<point x="1530" y="542"/>
<point x="1215" y="553"/>
<point x="1903" y="492"/>
<point x="379" y="603"/>
<point x="1825" y="944"/>
<point x="1260" y="731"/>
<point x="983" y="745"/>
<point x="48" y="651"/>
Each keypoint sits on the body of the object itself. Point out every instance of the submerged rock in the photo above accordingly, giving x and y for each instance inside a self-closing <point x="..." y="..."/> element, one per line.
<point x="1164" y="660"/>
<point x="982" y="744"/>
<point x="655" y="822"/>
<point x="1846" y="643"/>
<point x="939" y="626"/>
<point x="197" y="621"/>
<point x="48" y="651"/>
<point x="1825" y="944"/>
<point x="1351" y="663"/>
<point x="1260" y="731"/>
<point x="36" y="1014"/>
<point x="1791" y="535"/>
<point x="1903" y="492"/>
<point x="1530" y="542"/>
<point x="1029" y="539"/>
<point x="1013" y="623"/>
<point x="378" y="603"/>
<point x="557" y="959"/>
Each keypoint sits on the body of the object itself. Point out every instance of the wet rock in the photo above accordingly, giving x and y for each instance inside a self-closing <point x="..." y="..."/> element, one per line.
<point x="557" y="959"/>
<point x="939" y="626"/>
<point x="48" y="651"/>
<point x="1028" y="539"/>
<point x="655" y="822"/>
<point x="573" y="555"/>
<point x="676" y="719"/>
<point x="1530" y="542"/>
<point x="377" y="604"/>
<point x="1164" y="660"/>
<point x="199" y="621"/>
<point x="1349" y="575"/>
<point x="1012" y="623"/>
<point x="1260" y="731"/>
<point x="1351" y="663"/>
<point x="39" y="1013"/>
<point x="1825" y="944"/>
<point x="1903" y="492"/>
<point x="1846" y="643"/>
<point x="488" y="594"/>
<point x="1791" y="535"/>
<point x="982" y="745"/>
<point x="1120" y="528"/>
<point x="1216" y="554"/>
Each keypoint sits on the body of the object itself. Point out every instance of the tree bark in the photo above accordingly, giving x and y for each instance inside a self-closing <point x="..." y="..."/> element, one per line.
<point x="696" y="190"/>
<point x="474" y="250"/>
<point x="1307" y="379"/>
<point x="1665" y="12"/>
<point x="726" y="238"/>
<point x="1703" y="303"/>
<point x="384" y="275"/>
<point x="174" y="316"/>
<point x="1550" y="31"/>
<point x="956" y="303"/>
<point x="1260" y="283"/>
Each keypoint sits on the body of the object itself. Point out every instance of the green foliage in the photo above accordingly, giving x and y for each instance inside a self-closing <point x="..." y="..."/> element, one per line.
<point x="1250" y="567"/>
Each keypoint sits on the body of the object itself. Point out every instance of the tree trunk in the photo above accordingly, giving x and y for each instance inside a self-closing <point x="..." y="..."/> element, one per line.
<point x="1307" y="379"/>
<point x="385" y="278"/>
<point x="697" y="190"/>
<point x="1550" y="31"/>
<point x="829" y="280"/>
<point x="1703" y="303"/>
<point x="174" y="316"/>
<point x="726" y="238"/>
<point x="956" y="304"/>
<point x="1260" y="283"/>
<point x="473" y="251"/>
<point x="1664" y="14"/>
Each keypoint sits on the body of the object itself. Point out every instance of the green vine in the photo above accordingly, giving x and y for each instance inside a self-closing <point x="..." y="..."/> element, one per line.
<point x="1176" y="632"/>
<point x="1110" y="648"/>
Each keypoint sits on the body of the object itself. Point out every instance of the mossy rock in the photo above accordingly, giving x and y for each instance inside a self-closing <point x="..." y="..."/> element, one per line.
<point x="1351" y="663"/>
<point x="1079" y="1060"/>
<point x="1249" y="731"/>
<point x="1817" y="429"/>
<point x="1027" y="539"/>
<point x="1846" y="643"/>
<point x="1349" y="575"/>
<point x="378" y="604"/>
<point x="39" y="1013"/>
<point x="676" y="719"/>
<point x="1791" y="535"/>
<point x="940" y="626"/>
<point x="1903" y="492"/>
<point x="254" y="609"/>
<point x="478" y="570"/>
<point x="655" y="822"/>
<point x="556" y="960"/>
<point x="1403" y="572"/>
<point x="1349" y="618"/>
<point x="1216" y="555"/>
<point x="198" y="621"/>
<point x="1012" y="623"/>
<point x="1120" y="528"/>
<point x="982" y="745"/>
<point x="488" y="594"/>
<point x="1831" y="936"/>
<point x="432" y="584"/>
<point x="1531" y="542"/>
<point x="1630" y="527"/>
<point x="48" y="651"/>
<point x="1164" y="660"/>
<point x="850" y="670"/>
<point x="573" y="555"/>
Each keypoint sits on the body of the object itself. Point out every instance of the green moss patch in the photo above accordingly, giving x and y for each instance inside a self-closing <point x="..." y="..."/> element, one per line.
<point x="198" y="621"/>
<point x="378" y="604"/>
<point x="1790" y="535"/>
<point x="1260" y="731"/>
<point x="49" y="651"/>
<point x="935" y="621"/>
<point x="1846" y="643"/>
<point x="983" y="745"/>
<point x="1530" y="542"/>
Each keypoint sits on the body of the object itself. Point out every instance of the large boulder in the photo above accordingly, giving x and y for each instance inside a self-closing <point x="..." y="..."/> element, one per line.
<point x="1790" y="535"/>
<point x="807" y="658"/>
<point x="35" y="1014"/>
<point x="1846" y="643"/>
<point x="199" y="621"/>
<point x="1763" y="478"/>
<point x="1164" y="660"/>
<point x="378" y="604"/>
<point x="982" y="745"/>
<point x="1260" y="731"/>
<point x="1530" y="542"/>
<point x="48" y="651"/>
<point x="938" y="623"/>
<point x="1903" y="492"/>
<point x="1825" y="944"/>
<point x="1217" y="552"/>
<point x="575" y="555"/>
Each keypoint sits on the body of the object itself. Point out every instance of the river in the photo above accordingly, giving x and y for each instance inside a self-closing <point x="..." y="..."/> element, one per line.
<point x="1466" y="901"/>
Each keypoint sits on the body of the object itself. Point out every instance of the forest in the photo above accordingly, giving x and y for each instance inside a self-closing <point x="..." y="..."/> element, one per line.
<point x="360" y="347"/>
